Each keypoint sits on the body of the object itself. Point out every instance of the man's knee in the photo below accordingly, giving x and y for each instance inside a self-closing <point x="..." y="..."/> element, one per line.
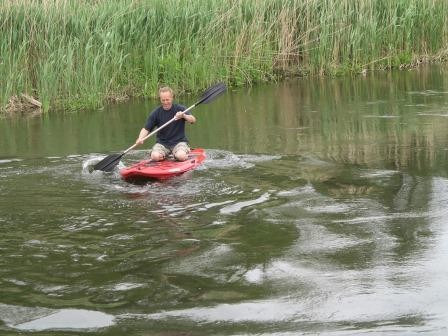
<point x="181" y="155"/>
<point x="157" y="156"/>
<point x="180" y="151"/>
<point x="159" y="152"/>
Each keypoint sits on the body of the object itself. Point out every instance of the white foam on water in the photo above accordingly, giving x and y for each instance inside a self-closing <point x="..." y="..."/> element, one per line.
<point x="201" y="265"/>
<point x="9" y="160"/>
<point x="380" y="218"/>
<point x="219" y="159"/>
<point x="69" y="319"/>
<point x="254" y="275"/>
<point x="241" y="205"/>
<point x="91" y="161"/>
<point x="212" y="205"/>
<point x="258" y="311"/>
<point x="39" y="318"/>
<point x="259" y="158"/>
<point x="124" y="286"/>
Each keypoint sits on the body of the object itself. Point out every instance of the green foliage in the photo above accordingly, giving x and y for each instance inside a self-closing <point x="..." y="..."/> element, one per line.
<point x="71" y="53"/>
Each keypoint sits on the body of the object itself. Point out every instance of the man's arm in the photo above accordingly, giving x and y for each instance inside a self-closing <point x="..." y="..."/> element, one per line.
<point x="143" y="132"/>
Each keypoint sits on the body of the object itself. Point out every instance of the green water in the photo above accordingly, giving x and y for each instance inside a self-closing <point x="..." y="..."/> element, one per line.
<point x="321" y="208"/>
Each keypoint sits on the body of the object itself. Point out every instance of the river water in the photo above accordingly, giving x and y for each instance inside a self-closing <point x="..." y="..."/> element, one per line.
<point x="321" y="209"/>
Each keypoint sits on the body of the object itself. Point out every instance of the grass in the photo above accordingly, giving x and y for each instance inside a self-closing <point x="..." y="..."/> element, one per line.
<point x="74" y="54"/>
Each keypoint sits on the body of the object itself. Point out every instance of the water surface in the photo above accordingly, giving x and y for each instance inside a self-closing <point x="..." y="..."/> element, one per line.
<point x="321" y="208"/>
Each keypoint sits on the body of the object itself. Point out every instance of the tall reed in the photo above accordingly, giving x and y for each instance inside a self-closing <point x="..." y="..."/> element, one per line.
<point x="79" y="53"/>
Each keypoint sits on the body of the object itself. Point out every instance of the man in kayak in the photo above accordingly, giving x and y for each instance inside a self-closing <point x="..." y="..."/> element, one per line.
<point x="171" y="139"/>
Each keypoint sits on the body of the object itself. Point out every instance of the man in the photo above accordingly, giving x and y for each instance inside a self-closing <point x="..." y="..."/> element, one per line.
<point x="170" y="139"/>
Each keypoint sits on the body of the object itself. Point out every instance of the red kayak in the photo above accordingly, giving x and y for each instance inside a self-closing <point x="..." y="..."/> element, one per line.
<point x="165" y="169"/>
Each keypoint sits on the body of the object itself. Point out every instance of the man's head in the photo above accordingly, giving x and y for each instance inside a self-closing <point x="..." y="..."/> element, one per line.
<point x="166" y="95"/>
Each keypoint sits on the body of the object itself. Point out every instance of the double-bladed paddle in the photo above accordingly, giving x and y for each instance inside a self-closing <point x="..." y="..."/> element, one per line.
<point x="110" y="162"/>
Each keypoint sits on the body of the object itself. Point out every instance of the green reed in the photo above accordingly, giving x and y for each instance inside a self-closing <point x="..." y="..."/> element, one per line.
<point x="79" y="53"/>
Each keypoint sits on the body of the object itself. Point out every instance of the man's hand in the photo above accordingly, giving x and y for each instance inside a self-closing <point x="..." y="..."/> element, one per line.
<point x="179" y="115"/>
<point x="188" y="117"/>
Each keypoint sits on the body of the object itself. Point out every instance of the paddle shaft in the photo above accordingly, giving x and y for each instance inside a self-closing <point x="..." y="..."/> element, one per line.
<point x="158" y="129"/>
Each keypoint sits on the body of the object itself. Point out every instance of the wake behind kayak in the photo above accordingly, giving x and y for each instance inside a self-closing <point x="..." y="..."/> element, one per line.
<point x="162" y="170"/>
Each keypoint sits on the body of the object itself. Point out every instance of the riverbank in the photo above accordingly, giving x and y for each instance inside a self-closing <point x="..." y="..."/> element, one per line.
<point x="73" y="54"/>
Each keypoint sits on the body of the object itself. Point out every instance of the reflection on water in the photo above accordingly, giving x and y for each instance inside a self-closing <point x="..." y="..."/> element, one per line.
<point x="322" y="211"/>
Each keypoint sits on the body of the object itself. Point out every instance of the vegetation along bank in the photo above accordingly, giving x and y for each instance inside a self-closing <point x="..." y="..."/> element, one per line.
<point x="72" y="54"/>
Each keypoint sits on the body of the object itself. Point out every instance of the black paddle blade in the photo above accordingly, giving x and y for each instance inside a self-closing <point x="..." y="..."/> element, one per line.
<point x="212" y="93"/>
<point x="108" y="163"/>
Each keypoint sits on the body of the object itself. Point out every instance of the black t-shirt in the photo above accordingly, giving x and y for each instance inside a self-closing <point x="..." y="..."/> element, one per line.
<point x="172" y="134"/>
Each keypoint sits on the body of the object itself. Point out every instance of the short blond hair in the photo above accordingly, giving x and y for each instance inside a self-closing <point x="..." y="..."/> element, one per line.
<point x="166" y="89"/>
